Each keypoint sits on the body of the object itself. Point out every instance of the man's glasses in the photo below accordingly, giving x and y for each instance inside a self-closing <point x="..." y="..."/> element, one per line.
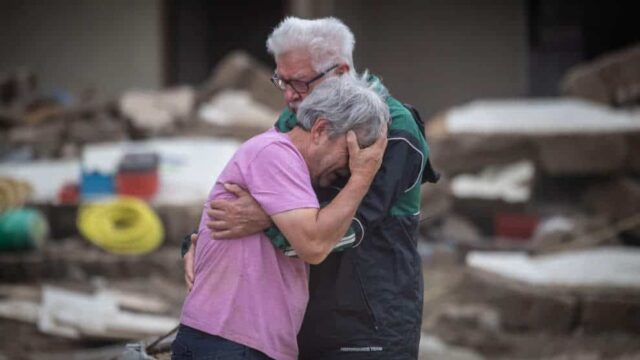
<point x="299" y="86"/>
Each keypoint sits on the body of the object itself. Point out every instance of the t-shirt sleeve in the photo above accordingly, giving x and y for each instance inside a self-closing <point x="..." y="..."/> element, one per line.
<point x="278" y="178"/>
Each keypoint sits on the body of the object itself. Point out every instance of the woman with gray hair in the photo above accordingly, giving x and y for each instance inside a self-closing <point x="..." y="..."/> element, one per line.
<point x="248" y="299"/>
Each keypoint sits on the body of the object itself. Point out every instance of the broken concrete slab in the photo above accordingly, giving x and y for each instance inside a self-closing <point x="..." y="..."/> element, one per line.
<point x="237" y="112"/>
<point x="523" y="307"/>
<point x="433" y="348"/>
<point x="157" y="112"/>
<point x="615" y="199"/>
<point x="240" y="71"/>
<point x="613" y="78"/>
<point x="610" y="312"/>
<point x="588" y="154"/>
<point x="71" y="314"/>
<point x="469" y="153"/>
<point x="565" y="136"/>
<point x="597" y="290"/>
<point x="610" y="266"/>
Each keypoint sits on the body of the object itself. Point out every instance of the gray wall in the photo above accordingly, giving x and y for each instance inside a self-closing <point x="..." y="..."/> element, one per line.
<point x="110" y="45"/>
<point x="439" y="53"/>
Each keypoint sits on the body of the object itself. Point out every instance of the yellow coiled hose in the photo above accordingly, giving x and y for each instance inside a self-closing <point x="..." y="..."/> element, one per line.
<point x="124" y="225"/>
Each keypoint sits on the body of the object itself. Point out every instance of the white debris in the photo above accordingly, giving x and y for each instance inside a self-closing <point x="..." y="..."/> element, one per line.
<point x="157" y="110"/>
<point x="432" y="348"/>
<point x="237" y="108"/>
<point x="540" y="116"/>
<point x="74" y="315"/>
<point x="511" y="183"/>
<point x="20" y="310"/>
<point x="604" y="266"/>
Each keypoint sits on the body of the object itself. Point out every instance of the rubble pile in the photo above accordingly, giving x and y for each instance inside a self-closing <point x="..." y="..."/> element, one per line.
<point x="238" y="100"/>
<point x="514" y="164"/>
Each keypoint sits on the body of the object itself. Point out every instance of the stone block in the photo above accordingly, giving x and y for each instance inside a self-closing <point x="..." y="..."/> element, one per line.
<point x="525" y="307"/>
<point x="467" y="153"/>
<point x="593" y="154"/>
<point x="611" y="313"/>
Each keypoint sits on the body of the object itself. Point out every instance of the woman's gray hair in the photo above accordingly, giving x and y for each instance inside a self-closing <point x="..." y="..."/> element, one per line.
<point x="347" y="103"/>
<point x="328" y="41"/>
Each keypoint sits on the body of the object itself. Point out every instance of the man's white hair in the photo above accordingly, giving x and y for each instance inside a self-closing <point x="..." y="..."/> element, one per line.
<point x="328" y="41"/>
<point x="347" y="103"/>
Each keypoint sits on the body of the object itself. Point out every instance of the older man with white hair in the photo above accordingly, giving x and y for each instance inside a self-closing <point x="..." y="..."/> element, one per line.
<point x="366" y="296"/>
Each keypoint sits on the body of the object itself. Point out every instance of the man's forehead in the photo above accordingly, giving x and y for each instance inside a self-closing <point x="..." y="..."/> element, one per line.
<point x="294" y="66"/>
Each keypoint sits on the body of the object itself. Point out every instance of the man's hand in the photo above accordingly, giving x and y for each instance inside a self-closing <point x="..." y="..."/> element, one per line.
<point x="230" y="219"/>
<point x="189" y="261"/>
<point x="364" y="163"/>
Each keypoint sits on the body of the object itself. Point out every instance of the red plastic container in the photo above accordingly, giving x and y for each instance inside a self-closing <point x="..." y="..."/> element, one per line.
<point x="137" y="183"/>
<point x="515" y="226"/>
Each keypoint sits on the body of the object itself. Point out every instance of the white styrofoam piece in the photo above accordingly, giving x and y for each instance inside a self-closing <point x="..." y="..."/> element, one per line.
<point x="71" y="314"/>
<point x="615" y="266"/>
<point x="511" y="183"/>
<point x="237" y="108"/>
<point x="539" y="116"/>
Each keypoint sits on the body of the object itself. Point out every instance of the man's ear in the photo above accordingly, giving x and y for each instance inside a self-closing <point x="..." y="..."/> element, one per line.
<point x="320" y="131"/>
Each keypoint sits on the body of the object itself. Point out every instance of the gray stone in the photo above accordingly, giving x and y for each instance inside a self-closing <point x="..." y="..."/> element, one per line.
<point x="239" y="70"/>
<point x="467" y="153"/>
<point x="614" y="200"/>
<point x="595" y="154"/>
<point x="613" y="78"/>
<point x="524" y="307"/>
<point x="633" y="142"/>
<point x="611" y="312"/>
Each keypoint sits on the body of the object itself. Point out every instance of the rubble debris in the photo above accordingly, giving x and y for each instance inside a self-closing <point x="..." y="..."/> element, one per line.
<point x="470" y="153"/>
<point x="76" y="315"/>
<point x="563" y="136"/>
<point x="239" y="71"/>
<point x="433" y="348"/>
<point x="157" y="112"/>
<point x="237" y="111"/>
<point x="588" y="154"/>
<point x="511" y="183"/>
<point x="459" y="230"/>
<point x="611" y="266"/>
<point x="612" y="79"/>
<point x="436" y="200"/>
<point x="615" y="199"/>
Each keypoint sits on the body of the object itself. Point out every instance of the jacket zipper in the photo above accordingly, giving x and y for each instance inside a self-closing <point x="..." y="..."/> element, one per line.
<point x="366" y="301"/>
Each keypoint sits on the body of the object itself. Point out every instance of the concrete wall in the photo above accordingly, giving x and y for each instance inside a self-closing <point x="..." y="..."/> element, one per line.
<point x="439" y="53"/>
<point x="110" y="45"/>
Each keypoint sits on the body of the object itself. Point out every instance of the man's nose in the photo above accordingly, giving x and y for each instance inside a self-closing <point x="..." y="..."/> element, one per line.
<point x="291" y="95"/>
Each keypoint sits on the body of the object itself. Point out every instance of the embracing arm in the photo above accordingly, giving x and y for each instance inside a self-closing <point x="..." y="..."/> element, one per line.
<point x="313" y="233"/>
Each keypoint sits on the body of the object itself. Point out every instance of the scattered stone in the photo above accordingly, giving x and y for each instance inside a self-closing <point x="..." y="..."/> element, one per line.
<point x="157" y="112"/>
<point x="239" y="71"/>
<point x="612" y="79"/>
<point x="616" y="199"/>
<point x="238" y="113"/>
<point x="597" y="154"/>
<point x="432" y="348"/>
